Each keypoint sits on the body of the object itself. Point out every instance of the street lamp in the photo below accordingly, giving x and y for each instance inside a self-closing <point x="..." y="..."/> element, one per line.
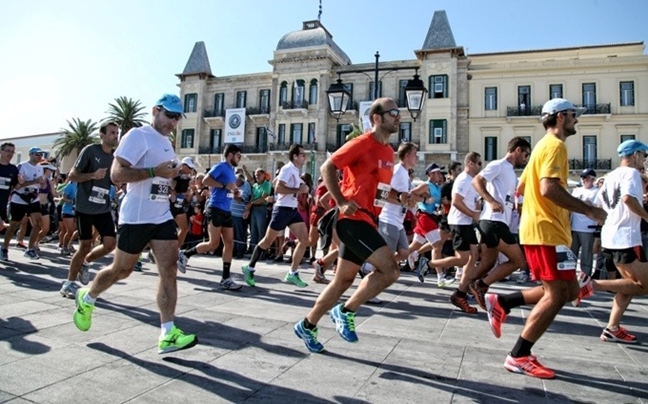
<point x="338" y="95"/>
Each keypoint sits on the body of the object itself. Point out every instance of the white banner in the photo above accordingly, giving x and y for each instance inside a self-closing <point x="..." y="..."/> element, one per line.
<point x="364" y="114"/>
<point x="234" y="126"/>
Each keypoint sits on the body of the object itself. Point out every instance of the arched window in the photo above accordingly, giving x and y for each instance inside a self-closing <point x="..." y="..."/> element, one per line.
<point x="298" y="92"/>
<point x="312" y="92"/>
<point x="283" y="93"/>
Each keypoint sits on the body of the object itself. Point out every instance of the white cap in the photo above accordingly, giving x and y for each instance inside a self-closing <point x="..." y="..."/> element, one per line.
<point x="556" y="105"/>
<point x="188" y="161"/>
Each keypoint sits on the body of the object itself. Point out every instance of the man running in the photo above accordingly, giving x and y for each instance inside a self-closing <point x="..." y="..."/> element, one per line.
<point x="92" y="205"/>
<point x="367" y="162"/>
<point x="285" y="214"/>
<point x="146" y="161"/>
<point x="222" y="183"/>
<point x="546" y="237"/>
<point x="8" y="180"/>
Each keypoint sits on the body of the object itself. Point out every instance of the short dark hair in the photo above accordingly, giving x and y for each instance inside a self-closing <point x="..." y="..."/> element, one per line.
<point x="471" y="157"/>
<point x="549" y="121"/>
<point x="518" y="142"/>
<point x="405" y="148"/>
<point x="104" y="126"/>
<point x="454" y="165"/>
<point x="231" y="149"/>
<point x="294" y="150"/>
<point x="6" y="144"/>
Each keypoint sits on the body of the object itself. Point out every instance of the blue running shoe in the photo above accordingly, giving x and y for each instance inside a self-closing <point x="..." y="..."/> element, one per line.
<point x="309" y="337"/>
<point x="422" y="269"/>
<point x="344" y="323"/>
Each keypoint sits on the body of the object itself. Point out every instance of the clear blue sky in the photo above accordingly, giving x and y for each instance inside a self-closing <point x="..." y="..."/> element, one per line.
<point x="65" y="59"/>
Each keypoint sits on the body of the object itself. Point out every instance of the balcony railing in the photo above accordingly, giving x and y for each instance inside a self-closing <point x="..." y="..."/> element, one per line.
<point x="295" y="105"/>
<point x="210" y="150"/>
<point x="254" y="149"/>
<point x="598" y="164"/>
<point x="257" y="110"/>
<point x="279" y="146"/>
<point x="210" y="113"/>
<point x="519" y="110"/>
<point x="596" y="109"/>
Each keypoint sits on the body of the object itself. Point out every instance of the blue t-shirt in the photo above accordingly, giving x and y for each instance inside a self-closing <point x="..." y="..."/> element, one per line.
<point x="69" y="192"/>
<point x="222" y="198"/>
<point x="435" y="192"/>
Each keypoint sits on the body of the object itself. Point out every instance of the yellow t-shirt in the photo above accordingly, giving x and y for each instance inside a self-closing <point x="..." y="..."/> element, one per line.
<point x="542" y="221"/>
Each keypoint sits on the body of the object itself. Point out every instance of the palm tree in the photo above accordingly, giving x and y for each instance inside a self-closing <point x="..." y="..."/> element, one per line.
<point x="76" y="136"/>
<point x="127" y="113"/>
<point x="357" y="131"/>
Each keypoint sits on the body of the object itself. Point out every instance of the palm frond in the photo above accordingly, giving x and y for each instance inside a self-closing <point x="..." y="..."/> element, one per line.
<point x="77" y="135"/>
<point x="127" y="113"/>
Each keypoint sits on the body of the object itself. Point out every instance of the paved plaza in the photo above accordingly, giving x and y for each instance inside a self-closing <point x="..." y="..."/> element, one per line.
<point x="415" y="347"/>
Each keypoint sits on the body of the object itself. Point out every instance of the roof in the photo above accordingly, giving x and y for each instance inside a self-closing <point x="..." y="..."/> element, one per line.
<point x="439" y="34"/>
<point x="198" y="62"/>
<point x="558" y="49"/>
<point x="312" y="34"/>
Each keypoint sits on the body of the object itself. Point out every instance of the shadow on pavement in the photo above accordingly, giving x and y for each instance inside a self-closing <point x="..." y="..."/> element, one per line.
<point x="18" y="342"/>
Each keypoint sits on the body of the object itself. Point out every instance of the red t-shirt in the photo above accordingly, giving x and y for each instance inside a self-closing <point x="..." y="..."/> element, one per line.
<point x="366" y="163"/>
<point x="196" y="224"/>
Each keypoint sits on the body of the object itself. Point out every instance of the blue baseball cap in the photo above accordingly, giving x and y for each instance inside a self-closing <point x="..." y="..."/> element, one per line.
<point x="171" y="103"/>
<point x="35" y="150"/>
<point x="556" y="105"/>
<point x="629" y="147"/>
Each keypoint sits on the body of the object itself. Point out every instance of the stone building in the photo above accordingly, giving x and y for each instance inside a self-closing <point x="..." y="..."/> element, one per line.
<point x="475" y="102"/>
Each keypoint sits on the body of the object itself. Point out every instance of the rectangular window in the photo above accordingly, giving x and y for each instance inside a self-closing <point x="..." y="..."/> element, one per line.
<point x="262" y="139"/>
<point x="187" y="140"/>
<point x="589" y="151"/>
<point x="281" y="136"/>
<point x="490" y="148"/>
<point x="311" y="133"/>
<point x="215" y="140"/>
<point x="438" y="86"/>
<point x="373" y="96"/>
<point x="298" y="93"/>
<point x="490" y="98"/>
<point x="349" y="87"/>
<point x="190" y="102"/>
<point x="342" y="131"/>
<point x="627" y="137"/>
<point x="264" y="101"/>
<point x="402" y="98"/>
<point x="312" y="92"/>
<point x="241" y="98"/>
<point x="438" y="129"/>
<point x="589" y="97"/>
<point x="627" y="93"/>
<point x="524" y="99"/>
<point x="405" y="132"/>
<point x="283" y="93"/>
<point x="219" y="104"/>
<point x="296" y="130"/>
<point x="555" y="91"/>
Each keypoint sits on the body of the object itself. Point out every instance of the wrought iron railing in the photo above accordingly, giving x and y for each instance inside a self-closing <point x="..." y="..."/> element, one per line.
<point x="210" y="150"/>
<point x="592" y="109"/>
<point x="279" y="146"/>
<point x="295" y="105"/>
<point x="521" y="110"/>
<point x="258" y="110"/>
<point x="597" y="164"/>
<point x="210" y="113"/>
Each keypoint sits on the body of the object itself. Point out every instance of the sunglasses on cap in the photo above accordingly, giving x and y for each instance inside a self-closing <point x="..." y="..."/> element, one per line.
<point x="171" y="115"/>
<point x="393" y="112"/>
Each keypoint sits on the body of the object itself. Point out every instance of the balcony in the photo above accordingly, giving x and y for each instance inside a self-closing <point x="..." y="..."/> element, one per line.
<point x="294" y="105"/>
<point x="210" y="150"/>
<point x="210" y="113"/>
<point x="279" y="146"/>
<point x="596" y="109"/>
<point x="254" y="149"/>
<point x="265" y="110"/>
<point x="520" y="110"/>
<point x="598" y="164"/>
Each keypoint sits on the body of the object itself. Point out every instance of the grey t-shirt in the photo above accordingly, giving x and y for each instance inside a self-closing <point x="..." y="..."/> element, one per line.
<point x="93" y="197"/>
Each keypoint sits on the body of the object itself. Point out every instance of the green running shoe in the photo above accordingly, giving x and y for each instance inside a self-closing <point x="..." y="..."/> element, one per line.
<point x="176" y="340"/>
<point x="83" y="314"/>
<point x="249" y="275"/>
<point x="294" y="279"/>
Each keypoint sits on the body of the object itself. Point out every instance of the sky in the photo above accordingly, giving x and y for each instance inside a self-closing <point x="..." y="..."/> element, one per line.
<point x="68" y="59"/>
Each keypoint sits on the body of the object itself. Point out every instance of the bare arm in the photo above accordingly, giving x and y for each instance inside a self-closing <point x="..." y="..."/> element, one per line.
<point x="635" y="207"/>
<point x="281" y="188"/>
<point x="551" y="189"/>
<point x="77" y="176"/>
<point x="460" y="205"/>
<point x="479" y="183"/>
<point x="122" y="171"/>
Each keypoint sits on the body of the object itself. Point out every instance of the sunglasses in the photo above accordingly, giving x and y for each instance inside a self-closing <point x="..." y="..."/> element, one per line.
<point x="171" y="115"/>
<point x="573" y="114"/>
<point x="393" y="112"/>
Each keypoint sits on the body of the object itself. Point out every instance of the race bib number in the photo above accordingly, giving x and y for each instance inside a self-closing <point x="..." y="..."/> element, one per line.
<point x="179" y="201"/>
<point x="565" y="258"/>
<point x="98" y="195"/>
<point x="5" y="182"/>
<point x="509" y="201"/>
<point x="382" y="193"/>
<point x="160" y="189"/>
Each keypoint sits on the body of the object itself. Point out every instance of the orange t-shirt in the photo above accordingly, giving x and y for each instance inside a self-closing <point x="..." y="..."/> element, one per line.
<point x="366" y="164"/>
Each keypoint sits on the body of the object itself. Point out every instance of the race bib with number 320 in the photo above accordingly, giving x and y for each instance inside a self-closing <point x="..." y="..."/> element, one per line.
<point x="160" y="189"/>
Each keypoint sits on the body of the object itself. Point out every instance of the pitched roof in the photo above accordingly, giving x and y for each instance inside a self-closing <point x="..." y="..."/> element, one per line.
<point x="198" y="61"/>
<point x="439" y="35"/>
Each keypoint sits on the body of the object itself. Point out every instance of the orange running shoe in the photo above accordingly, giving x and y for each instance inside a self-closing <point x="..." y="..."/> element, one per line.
<point x="462" y="303"/>
<point x="620" y="335"/>
<point x="496" y="314"/>
<point x="529" y="366"/>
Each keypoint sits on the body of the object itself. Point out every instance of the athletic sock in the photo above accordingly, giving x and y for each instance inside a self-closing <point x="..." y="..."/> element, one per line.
<point x="88" y="299"/>
<point x="345" y="310"/>
<point x="481" y="283"/>
<point x="461" y="294"/>
<point x="226" y="269"/>
<point x="256" y="254"/>
<point x="166" y="328"/>
<point x="308" y="325"/>
<point x="510" y="301"/>
<point x="522" y="348"/>
<point x="192" y="251"/>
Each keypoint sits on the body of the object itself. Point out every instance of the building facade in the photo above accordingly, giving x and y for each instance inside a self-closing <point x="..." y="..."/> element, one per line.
<point x="474" y="102"/>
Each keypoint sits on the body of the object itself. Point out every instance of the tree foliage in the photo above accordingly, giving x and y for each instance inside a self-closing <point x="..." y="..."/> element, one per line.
<point x="77" y="135"/>
<point x="127" y="113"/>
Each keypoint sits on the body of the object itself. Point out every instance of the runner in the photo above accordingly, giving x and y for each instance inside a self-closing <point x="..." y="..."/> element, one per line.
<point x="8" y="180"/>
<point x="146" y="161"/>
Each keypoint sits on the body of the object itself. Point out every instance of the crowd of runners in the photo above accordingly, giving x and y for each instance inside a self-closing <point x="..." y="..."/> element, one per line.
<point x="472" y="225"/>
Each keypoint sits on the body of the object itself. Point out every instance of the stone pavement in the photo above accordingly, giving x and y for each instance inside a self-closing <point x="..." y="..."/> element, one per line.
<point x="414" y="347"/>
